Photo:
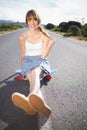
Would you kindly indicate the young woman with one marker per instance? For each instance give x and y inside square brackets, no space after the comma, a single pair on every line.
[35,45]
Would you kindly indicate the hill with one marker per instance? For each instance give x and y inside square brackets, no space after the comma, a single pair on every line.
[12,22]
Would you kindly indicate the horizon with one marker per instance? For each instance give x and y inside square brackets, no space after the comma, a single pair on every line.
[11,21]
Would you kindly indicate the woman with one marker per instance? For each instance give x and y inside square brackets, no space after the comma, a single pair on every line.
[35,46]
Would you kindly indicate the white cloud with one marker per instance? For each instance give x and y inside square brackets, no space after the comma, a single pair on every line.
[54,11]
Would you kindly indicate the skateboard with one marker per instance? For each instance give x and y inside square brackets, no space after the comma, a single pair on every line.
[48,77]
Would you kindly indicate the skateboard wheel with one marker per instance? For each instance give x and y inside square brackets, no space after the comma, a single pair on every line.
[48,77]
[19,77]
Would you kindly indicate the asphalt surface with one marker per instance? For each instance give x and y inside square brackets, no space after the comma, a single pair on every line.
[66,93]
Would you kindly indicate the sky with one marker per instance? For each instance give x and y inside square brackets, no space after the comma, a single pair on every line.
[50,11]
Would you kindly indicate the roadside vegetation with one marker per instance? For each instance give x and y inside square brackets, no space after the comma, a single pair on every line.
[69,29]
[7,27]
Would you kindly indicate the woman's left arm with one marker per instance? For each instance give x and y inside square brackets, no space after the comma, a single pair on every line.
[47,45]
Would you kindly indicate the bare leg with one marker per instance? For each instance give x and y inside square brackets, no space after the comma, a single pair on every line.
[21,100]
[36,98]
[34,79]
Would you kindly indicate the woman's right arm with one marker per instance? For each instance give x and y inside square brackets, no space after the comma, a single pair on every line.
[22,46]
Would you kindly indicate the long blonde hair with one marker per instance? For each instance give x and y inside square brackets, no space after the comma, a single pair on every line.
[42,30]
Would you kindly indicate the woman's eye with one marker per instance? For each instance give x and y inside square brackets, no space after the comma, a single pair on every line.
[29,19]
[35,19]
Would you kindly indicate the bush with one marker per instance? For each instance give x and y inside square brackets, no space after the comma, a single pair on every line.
[74,30]
[84,30]
[56,28]
[9,27]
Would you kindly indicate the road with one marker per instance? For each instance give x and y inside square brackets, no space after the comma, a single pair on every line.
[66,93]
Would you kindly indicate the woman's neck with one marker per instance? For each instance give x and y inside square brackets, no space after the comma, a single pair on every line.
[33,35]
[33,32]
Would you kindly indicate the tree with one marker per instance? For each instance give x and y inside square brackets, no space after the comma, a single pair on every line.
[84,30]
[49,26]
[64,26]
[78,24]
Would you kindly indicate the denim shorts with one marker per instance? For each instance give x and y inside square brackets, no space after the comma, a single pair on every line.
[32,62]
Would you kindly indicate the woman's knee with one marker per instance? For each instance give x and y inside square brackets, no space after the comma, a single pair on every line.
[34,73]
[38,71]
[28,76]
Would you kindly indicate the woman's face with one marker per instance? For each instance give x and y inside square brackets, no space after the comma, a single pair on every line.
[32,23]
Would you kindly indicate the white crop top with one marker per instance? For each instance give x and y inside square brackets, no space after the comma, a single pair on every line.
[33,49]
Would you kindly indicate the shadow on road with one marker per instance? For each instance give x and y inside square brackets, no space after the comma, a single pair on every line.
[11,117]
